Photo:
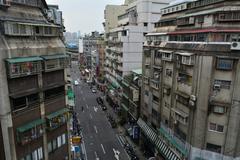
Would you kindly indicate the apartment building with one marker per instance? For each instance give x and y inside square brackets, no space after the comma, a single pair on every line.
[125,42]
[191,81]
[33,112]
[130,103]
[90,46]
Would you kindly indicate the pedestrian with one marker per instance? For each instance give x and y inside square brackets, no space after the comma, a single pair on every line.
[82,108]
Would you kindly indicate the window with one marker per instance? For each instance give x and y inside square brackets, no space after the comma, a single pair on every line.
[54,144]
[50,147]
[63,139]
[155,98]
[224,64]
[37,30]
[146,93]
[145,24]
[124,33]
[59,141]
[169,72]
[219,109]
[15,29]
[224,84]
[216,127]
[213,148]
[35,155]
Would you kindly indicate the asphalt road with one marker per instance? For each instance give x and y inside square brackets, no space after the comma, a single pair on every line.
[100,140]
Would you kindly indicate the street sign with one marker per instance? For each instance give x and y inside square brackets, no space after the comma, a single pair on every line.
[136,132]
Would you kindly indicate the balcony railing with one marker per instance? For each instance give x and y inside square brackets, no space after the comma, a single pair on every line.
[30,131]
[24,66]
[147,61]
[155,84]
[157,62]
[145,80]
[57,119]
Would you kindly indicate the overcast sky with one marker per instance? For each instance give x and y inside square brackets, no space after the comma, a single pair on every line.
[83,15]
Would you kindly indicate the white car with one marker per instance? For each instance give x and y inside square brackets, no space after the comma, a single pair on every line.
[76,83]
[94,90]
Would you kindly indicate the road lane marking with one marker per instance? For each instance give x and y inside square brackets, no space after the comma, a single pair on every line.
[95,129]
[87,106]
[84,98]
[119,140]
[95,108]
[116,153]
[96,155]
[104,152]
[90,115]
[84,148]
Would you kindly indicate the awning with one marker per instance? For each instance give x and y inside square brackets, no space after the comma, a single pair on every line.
[137,71]
[178,111]
[165,51]
[155,34]
[184,53]
[182,94]
[59,112]
[124,107]
[55,56]
[23,59]
[124,83]
[70,94]
[30,125]
[159,144]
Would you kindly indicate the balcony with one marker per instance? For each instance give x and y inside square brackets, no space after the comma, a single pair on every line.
[155,84]
[29,85]
[57,119]
[157,62]
[24,66]
[147,72]
[53,79]
[185,88]
[146,80]
[30,131]
[147,61]
[55,62]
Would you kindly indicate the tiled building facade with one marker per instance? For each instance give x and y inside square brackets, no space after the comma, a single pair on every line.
[191,80]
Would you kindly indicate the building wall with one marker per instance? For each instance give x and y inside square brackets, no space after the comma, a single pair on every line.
[22,46]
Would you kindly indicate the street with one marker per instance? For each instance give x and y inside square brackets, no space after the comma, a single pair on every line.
[100,141]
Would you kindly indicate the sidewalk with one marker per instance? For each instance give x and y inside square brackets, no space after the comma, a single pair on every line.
[122,131]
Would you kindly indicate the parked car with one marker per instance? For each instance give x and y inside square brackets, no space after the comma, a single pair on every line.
[99,100]
[104,108]
[94,90]
[76,83]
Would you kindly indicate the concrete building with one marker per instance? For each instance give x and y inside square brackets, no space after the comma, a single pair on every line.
[33,112]
[89,46]
[191,81]
[125,42]
[130,102]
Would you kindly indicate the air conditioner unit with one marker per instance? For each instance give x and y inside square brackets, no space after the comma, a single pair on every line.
[216,86]
[157,42]
[191,103]
[235,46]
[193,98]
[166,91]
[156,75]
[149,42]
